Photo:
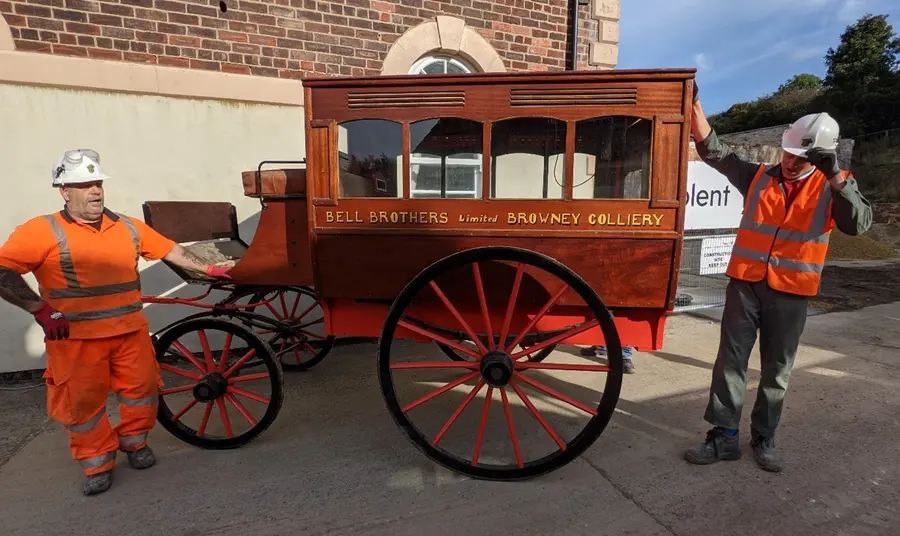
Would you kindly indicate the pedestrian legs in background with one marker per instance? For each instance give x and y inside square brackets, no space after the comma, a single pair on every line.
[599,351]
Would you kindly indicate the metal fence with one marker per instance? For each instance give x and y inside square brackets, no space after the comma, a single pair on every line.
[704,258]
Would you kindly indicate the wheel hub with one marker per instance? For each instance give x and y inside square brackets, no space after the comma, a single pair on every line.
[497,368]
[210,387]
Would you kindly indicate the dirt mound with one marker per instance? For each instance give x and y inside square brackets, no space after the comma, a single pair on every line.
[880,243]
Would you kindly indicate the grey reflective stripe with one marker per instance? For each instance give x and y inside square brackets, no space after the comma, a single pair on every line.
[102,290]
[749,254]
[100,314]
[132,441]
[65,255]
[797,266]
[135,241]
[146,401]
[90,424]
[97,461]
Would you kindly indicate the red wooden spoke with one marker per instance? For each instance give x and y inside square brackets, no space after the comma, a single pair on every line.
[440,391]
[555,339]
[462,321]
[223,412]
[252,396]
[283,304]
[435,364]
[265,331]
[484,415]
[296,353]
[307,324]
[479,287]
[435,337]
[189,356]
[536,318]
[249,377]
[297,303]
[538,416]
[241,409]
[520,270]
[240,363]
[554,393]
[225,348]
[181,372]
[310,334]
[512,429]
[457,413]
[184,410]
[174,390]
[274,312]
[310,348]
[305,312]
[207,353]
[562,366]
[205,420]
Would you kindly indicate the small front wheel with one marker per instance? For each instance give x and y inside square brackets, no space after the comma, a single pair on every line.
[212,365]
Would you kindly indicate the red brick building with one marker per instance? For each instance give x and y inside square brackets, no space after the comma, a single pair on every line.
[291,38]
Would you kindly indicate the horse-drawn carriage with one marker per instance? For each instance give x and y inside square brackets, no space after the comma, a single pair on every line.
[499,218]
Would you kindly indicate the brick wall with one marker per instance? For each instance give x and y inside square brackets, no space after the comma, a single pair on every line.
[290,38]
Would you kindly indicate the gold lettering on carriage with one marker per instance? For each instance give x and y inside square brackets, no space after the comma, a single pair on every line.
[542,218]
[626,220]
[422,217]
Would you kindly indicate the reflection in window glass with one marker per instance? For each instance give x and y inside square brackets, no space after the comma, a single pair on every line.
[445,158]
[528,158]
[612,158]
[370,153]
[441,65]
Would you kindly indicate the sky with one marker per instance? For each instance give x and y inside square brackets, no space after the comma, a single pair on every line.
[741,50]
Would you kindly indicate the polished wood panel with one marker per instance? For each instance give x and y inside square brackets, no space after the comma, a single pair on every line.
[624,272]
[667,134]
[275,183]
[280,251]
[321,169]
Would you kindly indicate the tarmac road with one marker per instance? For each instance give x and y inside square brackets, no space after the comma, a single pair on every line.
[335,464]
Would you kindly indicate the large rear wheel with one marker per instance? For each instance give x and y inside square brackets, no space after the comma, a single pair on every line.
[506,450]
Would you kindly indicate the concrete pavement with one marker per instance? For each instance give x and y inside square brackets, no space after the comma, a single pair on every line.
[334,463]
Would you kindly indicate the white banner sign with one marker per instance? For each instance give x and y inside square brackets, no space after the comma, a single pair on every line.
[715,252]
[712,202]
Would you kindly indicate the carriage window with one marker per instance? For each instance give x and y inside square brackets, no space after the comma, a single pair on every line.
[445,159]
[528,158]
[370,153]
[612,158]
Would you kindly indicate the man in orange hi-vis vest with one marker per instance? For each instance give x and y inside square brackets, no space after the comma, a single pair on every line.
[790,209]
[85,259]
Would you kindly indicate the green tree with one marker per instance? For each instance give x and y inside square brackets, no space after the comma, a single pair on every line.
[801,82]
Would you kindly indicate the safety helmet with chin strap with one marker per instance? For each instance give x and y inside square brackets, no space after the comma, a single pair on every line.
[811,131]
[77,166]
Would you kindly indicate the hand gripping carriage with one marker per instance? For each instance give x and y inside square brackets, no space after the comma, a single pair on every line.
[498,218]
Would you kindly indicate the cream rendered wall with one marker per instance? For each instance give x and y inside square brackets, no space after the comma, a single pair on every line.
[154,148]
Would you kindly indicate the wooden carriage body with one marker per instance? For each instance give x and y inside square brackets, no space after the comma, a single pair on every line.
[588,168]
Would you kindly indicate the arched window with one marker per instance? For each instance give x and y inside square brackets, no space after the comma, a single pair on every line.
[441,65]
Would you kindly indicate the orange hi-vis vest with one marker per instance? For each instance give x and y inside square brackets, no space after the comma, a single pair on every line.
[784,245]
[94,282]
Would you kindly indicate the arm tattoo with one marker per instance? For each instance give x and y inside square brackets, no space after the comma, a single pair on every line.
[16,291]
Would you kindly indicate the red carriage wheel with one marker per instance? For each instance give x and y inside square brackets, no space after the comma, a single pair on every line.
[300,342]
[514,289]
[215,375]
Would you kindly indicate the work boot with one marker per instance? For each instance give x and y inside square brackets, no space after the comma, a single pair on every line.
[764,453]
[141,459]
[94,484]
[718,446]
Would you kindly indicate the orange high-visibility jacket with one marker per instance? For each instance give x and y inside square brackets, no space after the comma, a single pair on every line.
[89,274]
[785,246]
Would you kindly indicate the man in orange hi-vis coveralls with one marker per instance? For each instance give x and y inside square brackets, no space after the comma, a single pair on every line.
[85,259]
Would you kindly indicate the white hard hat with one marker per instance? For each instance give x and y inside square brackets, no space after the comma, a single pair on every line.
[813,130]
[78,166]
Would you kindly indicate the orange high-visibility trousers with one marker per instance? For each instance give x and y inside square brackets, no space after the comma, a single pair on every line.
[81,372]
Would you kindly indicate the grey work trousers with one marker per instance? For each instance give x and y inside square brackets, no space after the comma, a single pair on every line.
[780,319]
